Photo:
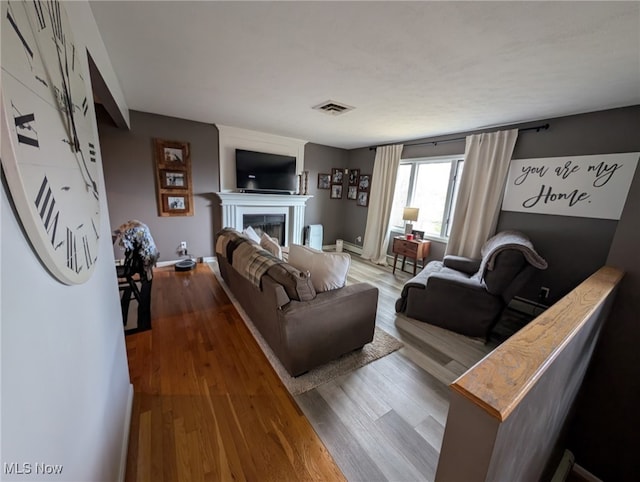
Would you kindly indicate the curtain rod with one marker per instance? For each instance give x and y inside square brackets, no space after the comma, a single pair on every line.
[539,128]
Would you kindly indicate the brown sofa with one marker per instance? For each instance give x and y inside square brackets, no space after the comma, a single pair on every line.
[304,329]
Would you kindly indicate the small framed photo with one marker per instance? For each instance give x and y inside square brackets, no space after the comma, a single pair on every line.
[352,193]
[337,175]
[353,177]
[418,234]
[173,179]
[363,199]
[336,191]
[175,204]
[324,181]
[172,154]
[364,181]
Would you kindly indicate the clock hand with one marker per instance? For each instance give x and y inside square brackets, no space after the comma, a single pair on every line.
[73,137]
[65,96]
[65,75]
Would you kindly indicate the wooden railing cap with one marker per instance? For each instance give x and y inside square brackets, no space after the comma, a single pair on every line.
[501,380]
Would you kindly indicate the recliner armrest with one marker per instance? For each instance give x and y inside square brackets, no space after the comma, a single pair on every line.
[447,282]
[461,263]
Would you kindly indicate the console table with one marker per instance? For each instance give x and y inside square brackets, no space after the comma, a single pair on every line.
[414,249]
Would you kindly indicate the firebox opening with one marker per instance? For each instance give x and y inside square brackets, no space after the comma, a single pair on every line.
[271,224]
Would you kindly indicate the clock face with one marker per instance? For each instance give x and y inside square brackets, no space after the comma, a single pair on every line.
[49,154]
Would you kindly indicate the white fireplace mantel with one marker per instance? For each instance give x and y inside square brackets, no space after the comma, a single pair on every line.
[235,205]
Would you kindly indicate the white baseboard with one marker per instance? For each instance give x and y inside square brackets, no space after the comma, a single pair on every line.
[346,246]
[125,435]
[353,248]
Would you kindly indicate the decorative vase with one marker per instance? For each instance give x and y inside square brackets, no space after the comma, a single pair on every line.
[306,182]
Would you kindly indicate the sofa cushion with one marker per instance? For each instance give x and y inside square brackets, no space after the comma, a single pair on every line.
[328,270]
[250,233]
[271,245]
[296,283]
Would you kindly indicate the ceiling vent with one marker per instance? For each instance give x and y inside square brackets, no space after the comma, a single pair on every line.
[333,108]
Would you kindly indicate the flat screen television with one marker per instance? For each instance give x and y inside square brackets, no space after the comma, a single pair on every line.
[262,172]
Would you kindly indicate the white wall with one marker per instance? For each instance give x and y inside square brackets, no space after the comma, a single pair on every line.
[65,390]
[232,138]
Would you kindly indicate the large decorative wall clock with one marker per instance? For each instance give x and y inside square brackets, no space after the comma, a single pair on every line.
[49,155]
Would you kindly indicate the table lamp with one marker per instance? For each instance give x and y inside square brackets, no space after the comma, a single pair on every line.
[409,215]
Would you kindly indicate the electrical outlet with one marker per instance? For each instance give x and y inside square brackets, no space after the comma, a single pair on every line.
[544,293]
[359,239]
[183,245]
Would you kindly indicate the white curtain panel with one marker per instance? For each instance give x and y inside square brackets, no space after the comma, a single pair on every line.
[486,164]
[383,184]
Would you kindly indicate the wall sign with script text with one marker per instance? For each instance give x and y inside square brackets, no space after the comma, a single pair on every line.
[585,186]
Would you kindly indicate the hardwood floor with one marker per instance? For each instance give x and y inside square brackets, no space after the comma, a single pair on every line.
[208,406]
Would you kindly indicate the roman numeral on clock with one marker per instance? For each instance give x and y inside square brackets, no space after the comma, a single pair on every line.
[46,205]
[87,251]
[40,14]
[56,19]
[92,152]
[95,231]
[13,23]
[72,252]
[25,128]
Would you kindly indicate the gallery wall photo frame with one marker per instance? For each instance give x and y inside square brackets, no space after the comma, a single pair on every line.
[173,177]
[354,174]
[352,192]
[324,181]
[336,191]
[176,203]
[363,199]
[170,179]
[337,175]
[172,154]
[364,182]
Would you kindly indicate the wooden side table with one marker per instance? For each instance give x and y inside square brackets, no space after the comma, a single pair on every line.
[414,249]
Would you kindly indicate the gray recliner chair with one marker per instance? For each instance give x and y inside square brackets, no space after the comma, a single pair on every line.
[468,295]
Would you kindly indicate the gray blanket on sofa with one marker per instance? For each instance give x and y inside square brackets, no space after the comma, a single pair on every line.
[509,240]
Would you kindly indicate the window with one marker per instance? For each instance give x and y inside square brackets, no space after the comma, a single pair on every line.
[431,185]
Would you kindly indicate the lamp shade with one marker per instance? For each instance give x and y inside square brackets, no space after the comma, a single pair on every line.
[410,214]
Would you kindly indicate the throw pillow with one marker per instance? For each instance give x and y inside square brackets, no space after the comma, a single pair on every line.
[328,270]
[250,233]
[271,245]
[296,283]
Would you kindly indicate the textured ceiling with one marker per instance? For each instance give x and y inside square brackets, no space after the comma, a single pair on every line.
[410,69]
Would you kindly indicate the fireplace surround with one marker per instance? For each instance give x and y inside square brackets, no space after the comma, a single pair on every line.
[235,206]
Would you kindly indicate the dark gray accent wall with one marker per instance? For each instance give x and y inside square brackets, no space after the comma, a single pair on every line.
[130,180]
[321,209]
[574,247]
[357,215]
[603,436]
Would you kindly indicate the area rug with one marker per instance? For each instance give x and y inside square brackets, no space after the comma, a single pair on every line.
[383,344]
